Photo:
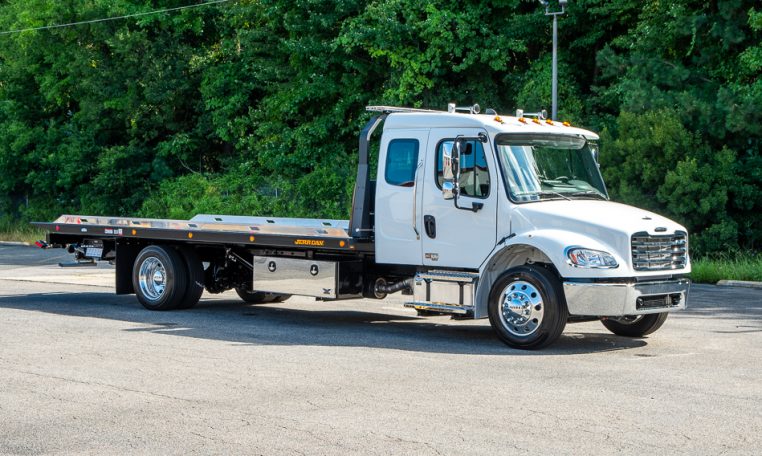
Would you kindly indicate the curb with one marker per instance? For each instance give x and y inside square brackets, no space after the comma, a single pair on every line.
[15,243]
[740,283]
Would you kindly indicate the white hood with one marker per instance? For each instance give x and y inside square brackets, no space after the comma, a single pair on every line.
[592,217]
[598,225]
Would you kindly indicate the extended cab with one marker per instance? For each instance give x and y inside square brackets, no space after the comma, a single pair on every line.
[474,215]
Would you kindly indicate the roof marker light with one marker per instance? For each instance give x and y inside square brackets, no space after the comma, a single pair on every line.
[549,122]
[536,120]
[567,124]
[522,120]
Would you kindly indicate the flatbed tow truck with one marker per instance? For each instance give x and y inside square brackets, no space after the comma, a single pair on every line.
[473,215]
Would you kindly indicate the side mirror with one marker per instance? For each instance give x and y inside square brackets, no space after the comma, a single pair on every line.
[451,168]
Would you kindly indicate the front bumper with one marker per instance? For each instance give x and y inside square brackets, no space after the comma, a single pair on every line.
[617,299]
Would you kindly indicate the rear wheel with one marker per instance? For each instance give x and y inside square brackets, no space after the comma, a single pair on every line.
[260,297]
[195,270]
[159,277]
[635,325]
[527,307]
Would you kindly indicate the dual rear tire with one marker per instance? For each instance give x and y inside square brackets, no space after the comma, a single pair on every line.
[166,278]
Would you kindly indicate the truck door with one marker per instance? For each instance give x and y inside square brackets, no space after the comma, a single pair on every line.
[459,237]
[399,192]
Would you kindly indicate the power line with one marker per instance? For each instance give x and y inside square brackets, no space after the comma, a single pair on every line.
[116,18]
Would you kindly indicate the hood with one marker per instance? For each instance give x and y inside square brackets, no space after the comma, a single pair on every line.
[591,217]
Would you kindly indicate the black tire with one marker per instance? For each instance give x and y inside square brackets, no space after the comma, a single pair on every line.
[260,297]
[195,270]
[164,277]
[635,325]
[537,314]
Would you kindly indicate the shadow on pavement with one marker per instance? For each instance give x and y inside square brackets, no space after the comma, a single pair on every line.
[240,323]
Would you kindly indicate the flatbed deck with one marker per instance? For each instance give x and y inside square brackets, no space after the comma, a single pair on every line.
[212,229]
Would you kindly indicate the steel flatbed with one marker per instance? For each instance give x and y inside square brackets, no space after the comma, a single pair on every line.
[263,232]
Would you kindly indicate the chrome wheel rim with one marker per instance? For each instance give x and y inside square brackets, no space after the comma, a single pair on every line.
[153,278]
[521,308]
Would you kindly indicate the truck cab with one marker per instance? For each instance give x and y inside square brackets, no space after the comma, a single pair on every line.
[472,215]
[509,218]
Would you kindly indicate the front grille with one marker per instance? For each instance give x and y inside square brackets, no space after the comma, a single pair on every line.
[659,252]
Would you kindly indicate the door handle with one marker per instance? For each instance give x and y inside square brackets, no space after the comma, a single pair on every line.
[430,224]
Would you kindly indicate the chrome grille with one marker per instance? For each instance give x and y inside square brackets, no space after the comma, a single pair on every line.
[659,252]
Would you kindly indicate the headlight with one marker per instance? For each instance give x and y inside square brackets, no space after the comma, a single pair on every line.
[587,258]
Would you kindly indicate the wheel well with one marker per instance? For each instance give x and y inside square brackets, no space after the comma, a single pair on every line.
[509,257]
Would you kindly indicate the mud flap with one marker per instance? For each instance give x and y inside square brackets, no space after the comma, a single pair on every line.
[125,258]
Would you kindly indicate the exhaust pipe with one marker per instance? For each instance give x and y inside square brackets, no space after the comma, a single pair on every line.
[383,288]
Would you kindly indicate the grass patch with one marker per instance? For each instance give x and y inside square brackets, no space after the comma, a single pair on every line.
[20,232]
[742,266]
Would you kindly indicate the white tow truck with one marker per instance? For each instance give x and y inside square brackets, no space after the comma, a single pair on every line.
[473,215]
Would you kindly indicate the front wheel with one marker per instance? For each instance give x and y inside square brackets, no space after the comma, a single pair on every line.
[635,325]
[527,307]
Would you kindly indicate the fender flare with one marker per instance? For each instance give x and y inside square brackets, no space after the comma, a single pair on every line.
[543,246]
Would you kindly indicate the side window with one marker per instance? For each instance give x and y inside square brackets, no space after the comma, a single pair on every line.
[474,175]
[401,162]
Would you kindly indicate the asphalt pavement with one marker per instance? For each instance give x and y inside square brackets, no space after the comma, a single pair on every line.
[83,371]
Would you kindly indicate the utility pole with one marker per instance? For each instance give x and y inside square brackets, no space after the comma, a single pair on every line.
[554,83]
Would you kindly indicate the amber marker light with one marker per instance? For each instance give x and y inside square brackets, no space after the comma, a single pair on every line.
[549,122]
[537,121]
[251,238]
[498,119]
[567,124]
[134,232]
[342,243]
[190,235]
[522,120]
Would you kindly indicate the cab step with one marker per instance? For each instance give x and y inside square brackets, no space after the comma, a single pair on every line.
[450,292]
[437,307]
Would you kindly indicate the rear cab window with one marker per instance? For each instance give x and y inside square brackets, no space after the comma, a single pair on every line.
[401,162]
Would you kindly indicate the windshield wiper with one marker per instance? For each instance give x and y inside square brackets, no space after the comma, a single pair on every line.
[544,193]
[590,193]
[551,193]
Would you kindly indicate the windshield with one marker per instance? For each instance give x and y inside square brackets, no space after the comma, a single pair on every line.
[539,167]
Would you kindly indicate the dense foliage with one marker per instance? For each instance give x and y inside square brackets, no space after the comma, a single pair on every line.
[253,106]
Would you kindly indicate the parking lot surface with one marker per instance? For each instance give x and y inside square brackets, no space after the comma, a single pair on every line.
[83,371]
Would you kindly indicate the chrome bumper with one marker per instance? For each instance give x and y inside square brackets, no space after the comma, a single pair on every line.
[617,299]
